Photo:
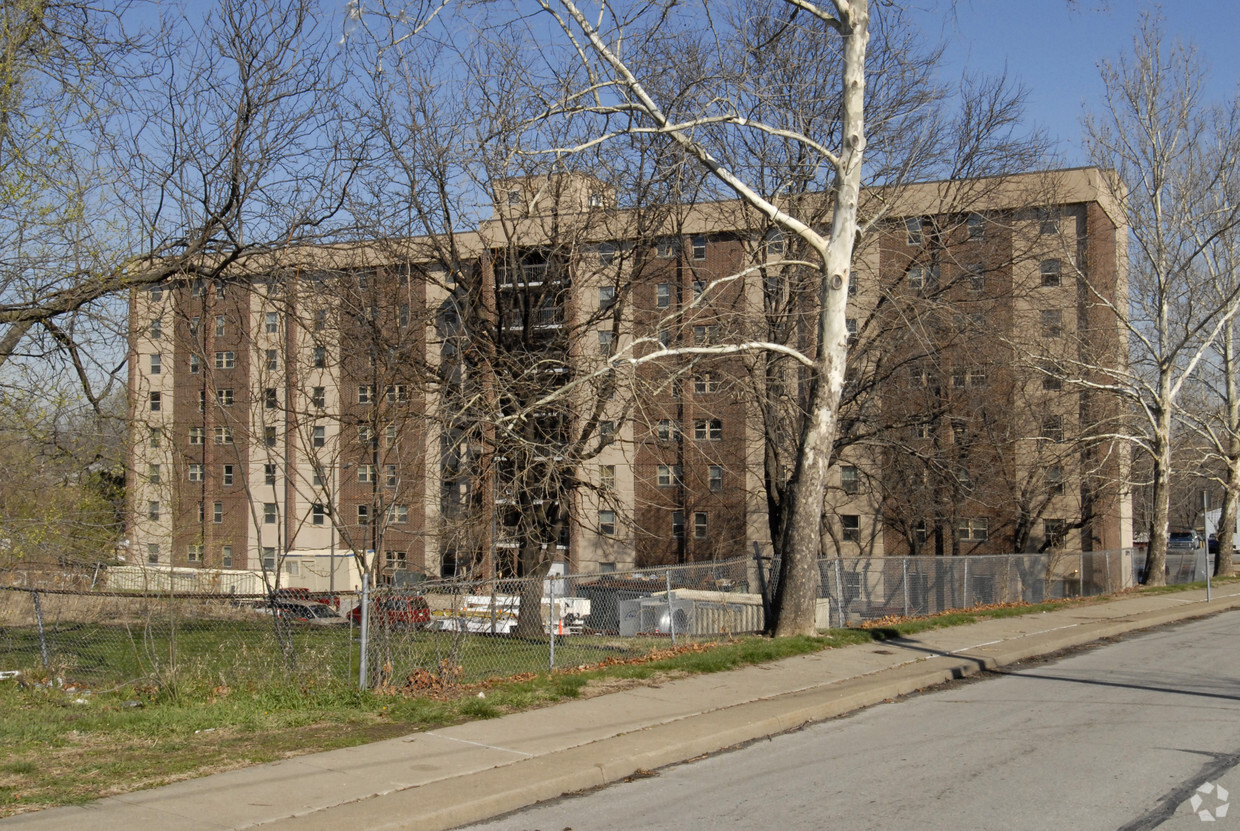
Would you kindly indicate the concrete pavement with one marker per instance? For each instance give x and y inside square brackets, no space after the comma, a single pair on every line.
[443,778]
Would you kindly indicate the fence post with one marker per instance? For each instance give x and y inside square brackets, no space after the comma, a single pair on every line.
[904,566]
[362,681]
[766,600]
[967,604]
[38,619]
[671,613]
[551,619]
[839,591]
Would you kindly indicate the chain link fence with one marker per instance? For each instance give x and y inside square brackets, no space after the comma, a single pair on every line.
[865,589]
[189,631]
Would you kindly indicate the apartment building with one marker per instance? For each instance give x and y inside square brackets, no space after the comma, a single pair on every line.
[563,385]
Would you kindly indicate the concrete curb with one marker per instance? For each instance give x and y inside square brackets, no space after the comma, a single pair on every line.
[450,803]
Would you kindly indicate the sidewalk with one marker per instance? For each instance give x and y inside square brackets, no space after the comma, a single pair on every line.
[449,777]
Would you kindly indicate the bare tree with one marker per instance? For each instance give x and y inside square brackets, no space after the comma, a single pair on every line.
[1174,156]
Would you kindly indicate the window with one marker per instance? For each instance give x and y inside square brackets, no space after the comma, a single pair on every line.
[1051,271]
[156,363]
[195,435]
[397,392]
[977,377]
[667,430]
[1054,480]
[1052,377]
[850,527]
[711,428]
[155,401]
[1052,428]
[699,247]
[152,510]
[318,514]
[320,357]
[217,512]
[157,437]
[269,436]
[607,431]
[152,552]
[270,401]
[1048,220]
[663,295]
[365,394]
[395,560]
[223,435]
[316,480]
[157,329]
[157,293]
[514,197]
[269,558]
[226,558]
[605,340]
[715,477]
[670,475]
[229,474]
[193,553]
[850,480]
[194,323]
[320,320]
[202,517]
[219,290]
[221,325]
[699,288]
[202,401]
[912,230]
[363,514]
[402,315]
[152,474]
[704,382]
[775,242]
[977,226]
[273,360]
[366,435]
[391,478]
[678,524]
[607,477]
[1055,531]
[607,523]
[398,514]
[269,474]
[390,435]
[703,335]
[606,297]
[923,278]
[665,338]
[318,437]
[269,513]
[974,529]
[195,364]
[1052,323]
[666,248]
[700,526]
[225,397]
[225,360]
[850,326]
[366,474]
[271,323]
[976,274]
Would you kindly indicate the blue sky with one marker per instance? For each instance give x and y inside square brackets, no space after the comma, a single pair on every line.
[1054,46]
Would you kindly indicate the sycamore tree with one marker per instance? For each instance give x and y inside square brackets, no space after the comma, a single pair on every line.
[1175,155]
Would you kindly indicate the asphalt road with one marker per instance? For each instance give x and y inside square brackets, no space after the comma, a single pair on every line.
[1119,736]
